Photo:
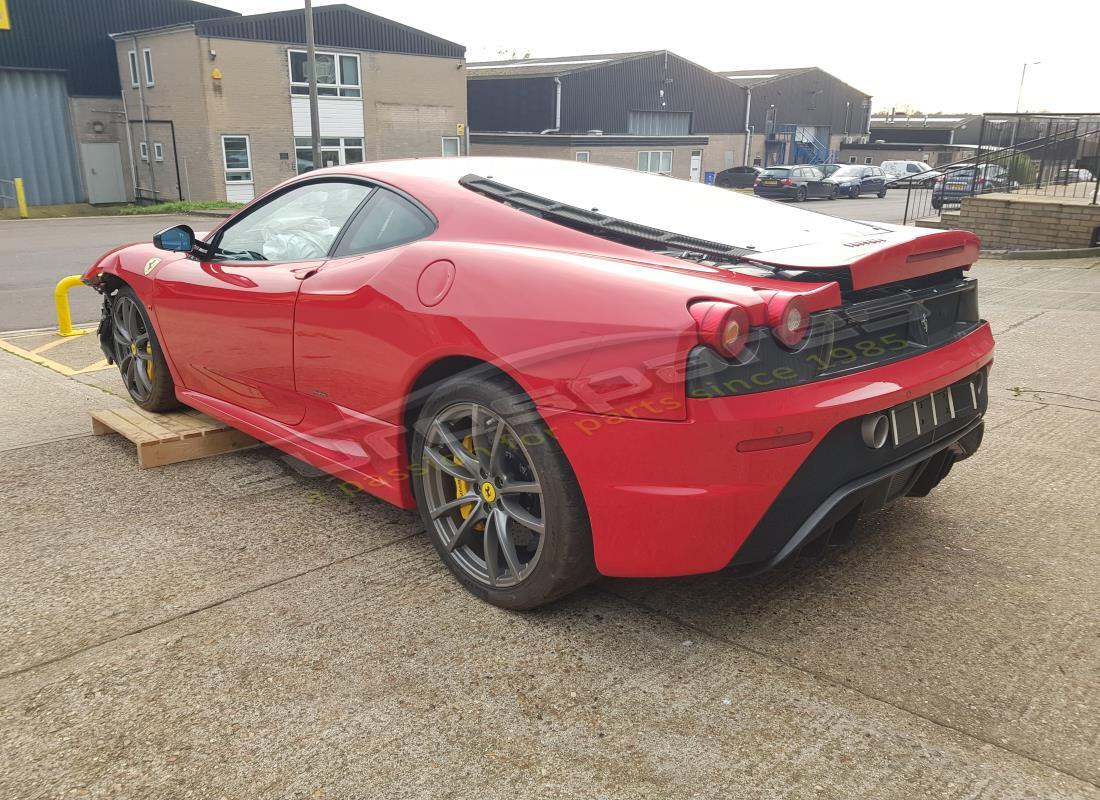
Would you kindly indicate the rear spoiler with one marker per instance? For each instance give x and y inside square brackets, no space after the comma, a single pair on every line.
[887,257]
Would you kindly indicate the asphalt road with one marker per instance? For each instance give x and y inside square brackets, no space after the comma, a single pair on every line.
[239,627]
[871,209]
[36,253]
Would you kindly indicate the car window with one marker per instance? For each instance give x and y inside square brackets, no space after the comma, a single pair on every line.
[912,168]
[775,173]
[387,220]
[296,225]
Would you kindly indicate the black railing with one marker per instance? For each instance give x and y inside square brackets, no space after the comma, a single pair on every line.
[1049,155]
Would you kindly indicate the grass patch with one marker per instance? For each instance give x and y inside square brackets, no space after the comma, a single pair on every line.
[86,210]
[177,207]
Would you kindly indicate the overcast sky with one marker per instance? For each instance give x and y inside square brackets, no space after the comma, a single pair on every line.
[901,53]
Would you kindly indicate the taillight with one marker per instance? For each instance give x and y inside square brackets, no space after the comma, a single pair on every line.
[723,327]
[939,180]
[788,318]
[756,182]
[786,182]
[979,181]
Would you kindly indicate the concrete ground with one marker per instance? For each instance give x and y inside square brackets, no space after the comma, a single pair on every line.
[232,627]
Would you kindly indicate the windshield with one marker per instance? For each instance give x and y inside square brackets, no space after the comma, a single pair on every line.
[678,206]
[775,173]
[832,169]
[848,172]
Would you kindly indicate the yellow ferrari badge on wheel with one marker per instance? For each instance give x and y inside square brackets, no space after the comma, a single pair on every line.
[151,265]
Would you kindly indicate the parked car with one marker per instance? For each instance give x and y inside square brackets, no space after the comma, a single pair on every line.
[852,180]
[956,184]
[439,333]
[1067,176]
[903,173]
[794,182]
[737,177]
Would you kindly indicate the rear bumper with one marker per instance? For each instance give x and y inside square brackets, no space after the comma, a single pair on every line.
[680,498]
[782,191]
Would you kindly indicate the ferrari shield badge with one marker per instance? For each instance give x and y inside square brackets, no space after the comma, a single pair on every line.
[151,264]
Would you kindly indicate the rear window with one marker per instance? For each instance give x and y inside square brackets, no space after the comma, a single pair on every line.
[775,173]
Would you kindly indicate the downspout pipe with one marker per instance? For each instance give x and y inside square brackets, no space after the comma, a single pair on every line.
[748,128]
[557,107]
[141,78]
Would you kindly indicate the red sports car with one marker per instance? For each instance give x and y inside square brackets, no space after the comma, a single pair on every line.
[570,370]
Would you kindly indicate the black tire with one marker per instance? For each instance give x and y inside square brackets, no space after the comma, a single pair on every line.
[853,193]
[882,193]
[833,194]
[936,203]
[800,194]
[153,389]
[564,561]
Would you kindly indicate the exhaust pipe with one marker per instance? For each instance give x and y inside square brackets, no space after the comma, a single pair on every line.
[875,429]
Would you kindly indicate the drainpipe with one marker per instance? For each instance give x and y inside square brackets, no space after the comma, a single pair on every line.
[145,121]
[748,128]
[129,145]
[557,107]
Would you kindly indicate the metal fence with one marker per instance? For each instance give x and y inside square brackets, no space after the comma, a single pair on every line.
[1050,155]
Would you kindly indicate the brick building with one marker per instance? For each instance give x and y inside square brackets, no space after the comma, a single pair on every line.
[219,109]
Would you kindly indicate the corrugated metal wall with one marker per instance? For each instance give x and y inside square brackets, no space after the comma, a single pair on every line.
[521,105]
[72,35]
[36,138]
[601,98]
[814,98]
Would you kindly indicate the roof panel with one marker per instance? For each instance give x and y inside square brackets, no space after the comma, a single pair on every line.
[545,67]
[335,26]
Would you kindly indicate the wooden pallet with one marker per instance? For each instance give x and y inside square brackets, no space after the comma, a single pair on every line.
[170,438]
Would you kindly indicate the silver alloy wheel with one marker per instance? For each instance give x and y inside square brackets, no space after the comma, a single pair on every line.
[483,495]
[133,347]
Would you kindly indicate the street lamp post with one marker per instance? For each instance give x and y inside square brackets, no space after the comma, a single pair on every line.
[1023,74]
[311,61]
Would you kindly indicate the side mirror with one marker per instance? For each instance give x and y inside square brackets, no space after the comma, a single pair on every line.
[178,239]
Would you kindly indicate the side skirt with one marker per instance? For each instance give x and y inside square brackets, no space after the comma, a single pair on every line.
[359,449]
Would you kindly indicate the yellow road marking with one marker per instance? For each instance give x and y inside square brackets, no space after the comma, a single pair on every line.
[37,359]
[49,345]
[32,356]
[96,367]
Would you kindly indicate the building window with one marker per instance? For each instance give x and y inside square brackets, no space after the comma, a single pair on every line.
[148,58]
[133,69]
[144,151]
[450,146]
[158,151]
[851,159]
[582,155]
[867,160]
[334,151]
[237,159]
[659,161]
[337,74]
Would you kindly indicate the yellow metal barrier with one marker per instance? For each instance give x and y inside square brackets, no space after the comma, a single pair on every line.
[20,198]
[61,300]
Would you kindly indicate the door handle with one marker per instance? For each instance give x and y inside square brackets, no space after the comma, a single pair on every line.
[301,273]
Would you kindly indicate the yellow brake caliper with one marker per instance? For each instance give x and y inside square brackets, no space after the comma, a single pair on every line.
[462,487]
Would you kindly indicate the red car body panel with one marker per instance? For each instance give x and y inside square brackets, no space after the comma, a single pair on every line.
[678,498]
[319,358]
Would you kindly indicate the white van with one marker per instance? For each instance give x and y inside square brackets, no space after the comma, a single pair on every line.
[904,171]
